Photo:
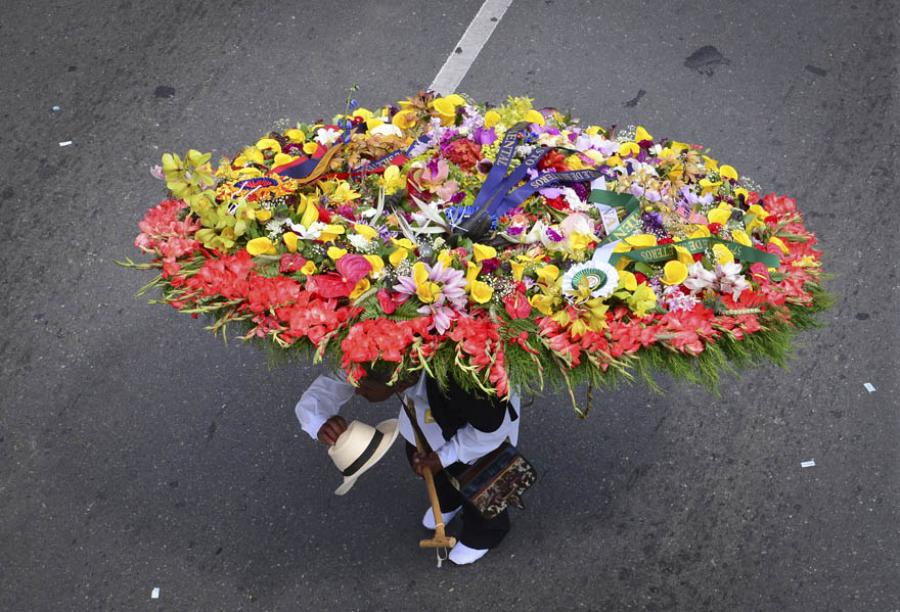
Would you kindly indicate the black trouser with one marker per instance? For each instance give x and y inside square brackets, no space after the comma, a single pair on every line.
[478,532]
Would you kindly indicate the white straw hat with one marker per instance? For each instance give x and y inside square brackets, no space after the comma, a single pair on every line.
[360,447]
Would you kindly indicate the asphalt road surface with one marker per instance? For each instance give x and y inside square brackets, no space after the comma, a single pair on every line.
[137,452]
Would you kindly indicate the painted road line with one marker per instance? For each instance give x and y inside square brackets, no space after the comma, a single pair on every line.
[469,46]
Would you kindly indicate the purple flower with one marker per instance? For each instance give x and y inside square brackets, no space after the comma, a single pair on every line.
[554,235]
[484,136]
[489,265]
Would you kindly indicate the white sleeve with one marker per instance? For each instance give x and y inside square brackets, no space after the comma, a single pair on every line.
[321,401]
[470,444]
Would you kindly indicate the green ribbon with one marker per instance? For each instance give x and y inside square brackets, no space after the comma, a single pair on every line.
[632,224]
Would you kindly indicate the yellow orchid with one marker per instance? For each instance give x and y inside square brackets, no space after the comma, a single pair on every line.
[261,246]
[480,291]
[309,267]
[290,241]
[491,118]
[547,274]
[262,215]
[310,147]
[373,123]
[397,256]
[472,270]
[310,215]
[483,251]
[579,241]
[543,303]
[674,273]
[282,159]
[614,160]
[335,253]
[342,193]
[405,119]
[642,300]
[700,231]
[722,254]
[740,191]
[252,155]
[710,164]
[708,186]
[393,180]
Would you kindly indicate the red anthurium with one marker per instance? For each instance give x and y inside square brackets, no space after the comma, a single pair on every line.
[353,268]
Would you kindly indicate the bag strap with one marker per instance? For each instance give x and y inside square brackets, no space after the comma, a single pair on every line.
[421,441]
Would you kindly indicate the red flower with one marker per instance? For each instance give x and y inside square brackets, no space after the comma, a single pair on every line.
[291,262]
[464,153]
[714,228]
[517,305]
[554,160]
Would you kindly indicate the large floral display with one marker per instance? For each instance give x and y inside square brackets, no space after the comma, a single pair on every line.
[503,246]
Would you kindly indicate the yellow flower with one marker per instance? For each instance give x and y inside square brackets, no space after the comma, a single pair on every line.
[330,232]
[547,274]
[627,280]
[740,191]
[642,134]
[641,240]
[405,243]
[397,256]
[246,173]
[719,215]
[377,264]
[674,272]
[282,159]
[614,160]
[295,135]
[683,255]
[741,237]
[483,251]
[481,292]
[365,231]
[263,215]
[310,147]
[594,130]
[365,113]
[472,270]
[456,99]
[574,162]
[709,163]
[722,254]
[578,328]
[543,303]
[629,148]
[310,215]
[534,116]
[579,241]
[261,246]
[361,287]
[253,155]
[309,267]
[779,243]
[290,241]
[642,300]
[392,180]
[343,193]
[445,258]
[428,292]
[373,123]
[728,172]
[562,317]
[491,118]
[709,186]
[700,231]
[268,143]
[335,253]
[404,119]
[517,269]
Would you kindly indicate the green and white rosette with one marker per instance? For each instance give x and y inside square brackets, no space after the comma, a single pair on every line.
[600,277]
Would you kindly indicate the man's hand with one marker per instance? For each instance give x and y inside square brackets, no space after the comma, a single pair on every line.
[331,430]
[426,461]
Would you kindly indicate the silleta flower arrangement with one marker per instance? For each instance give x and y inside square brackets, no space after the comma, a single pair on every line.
[498,245]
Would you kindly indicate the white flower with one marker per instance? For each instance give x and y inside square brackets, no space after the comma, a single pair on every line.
[360,243]
[574,201]
[699,278]
[602,278]
[310,233]
[386,129]
[327,136]
[731,280]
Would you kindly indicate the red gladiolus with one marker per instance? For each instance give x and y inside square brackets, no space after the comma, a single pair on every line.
[517,305]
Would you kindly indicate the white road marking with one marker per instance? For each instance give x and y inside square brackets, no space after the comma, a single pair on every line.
[469,46]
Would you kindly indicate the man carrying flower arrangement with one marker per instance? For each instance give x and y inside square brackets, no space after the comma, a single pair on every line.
[461,427]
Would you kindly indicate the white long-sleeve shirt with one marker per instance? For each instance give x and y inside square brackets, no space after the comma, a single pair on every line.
[327,393]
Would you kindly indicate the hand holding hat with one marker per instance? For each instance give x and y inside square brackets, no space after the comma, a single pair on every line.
[359,447]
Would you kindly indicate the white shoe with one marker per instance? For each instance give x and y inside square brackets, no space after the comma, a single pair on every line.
[463,555]
[428,519]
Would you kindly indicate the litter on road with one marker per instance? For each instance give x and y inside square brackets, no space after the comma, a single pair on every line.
[154,594]
[56,109]
[806,464]
[65,143]
[869,387]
